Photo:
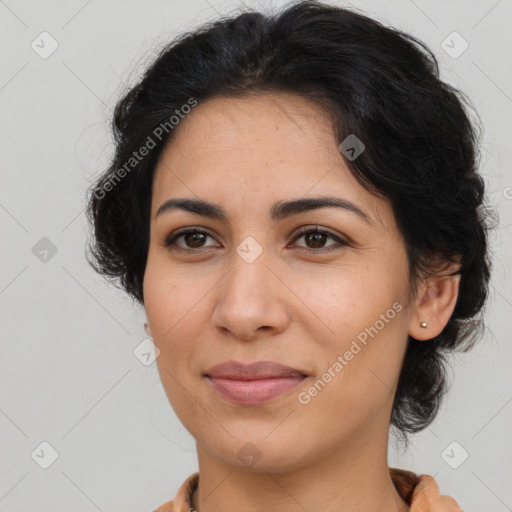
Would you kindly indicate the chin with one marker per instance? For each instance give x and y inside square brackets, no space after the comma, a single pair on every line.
[259,454]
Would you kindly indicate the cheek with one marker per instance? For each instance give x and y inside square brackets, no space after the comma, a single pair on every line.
[348,299]
[172,300]
[357,384]
[169,306]
[363,322]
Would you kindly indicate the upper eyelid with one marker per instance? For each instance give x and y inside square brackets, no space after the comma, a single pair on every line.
[316,228]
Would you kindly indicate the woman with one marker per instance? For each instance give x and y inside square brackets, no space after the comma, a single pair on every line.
[294,201]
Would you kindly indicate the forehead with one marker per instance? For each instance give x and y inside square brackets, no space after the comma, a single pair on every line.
[258,116]
[263,148]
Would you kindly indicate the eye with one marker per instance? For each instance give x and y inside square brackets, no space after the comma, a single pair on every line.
[194,239]
[316,237]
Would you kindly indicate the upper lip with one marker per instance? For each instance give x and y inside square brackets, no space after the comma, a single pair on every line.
[252,371]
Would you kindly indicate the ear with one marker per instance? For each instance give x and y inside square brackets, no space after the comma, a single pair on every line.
[435,302]
[147,329]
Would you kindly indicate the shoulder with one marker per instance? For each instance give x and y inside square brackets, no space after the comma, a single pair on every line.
[427,498]
[182,501]
[421,492]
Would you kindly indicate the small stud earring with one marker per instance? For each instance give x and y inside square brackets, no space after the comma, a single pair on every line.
[147,329]
[424,325]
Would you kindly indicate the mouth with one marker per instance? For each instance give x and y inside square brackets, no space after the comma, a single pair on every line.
[253,384]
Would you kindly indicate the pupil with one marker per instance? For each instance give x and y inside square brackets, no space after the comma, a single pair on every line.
[196,237]
[317,238]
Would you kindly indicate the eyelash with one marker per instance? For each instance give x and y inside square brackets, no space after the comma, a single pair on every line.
[171,240]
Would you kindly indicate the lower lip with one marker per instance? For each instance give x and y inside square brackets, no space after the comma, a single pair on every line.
[254,392]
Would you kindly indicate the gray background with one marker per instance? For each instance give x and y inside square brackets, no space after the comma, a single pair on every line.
[68,373]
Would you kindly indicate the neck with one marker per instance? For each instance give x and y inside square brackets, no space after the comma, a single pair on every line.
[347,479]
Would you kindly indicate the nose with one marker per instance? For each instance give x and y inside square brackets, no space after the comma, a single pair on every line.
[251,299]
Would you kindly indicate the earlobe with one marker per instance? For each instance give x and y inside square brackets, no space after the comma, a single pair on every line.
[147,329]
[435,304]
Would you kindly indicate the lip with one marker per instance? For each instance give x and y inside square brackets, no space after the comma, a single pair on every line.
[253,371]
[255,383]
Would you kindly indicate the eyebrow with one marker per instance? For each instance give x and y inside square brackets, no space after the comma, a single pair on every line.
[279,210]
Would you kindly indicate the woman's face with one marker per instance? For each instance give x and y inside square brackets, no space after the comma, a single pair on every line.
[253,287]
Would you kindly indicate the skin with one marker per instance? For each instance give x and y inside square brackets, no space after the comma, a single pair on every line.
[297,308]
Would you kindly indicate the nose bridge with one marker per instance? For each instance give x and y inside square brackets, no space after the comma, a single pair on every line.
[249,297]
[249,277]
